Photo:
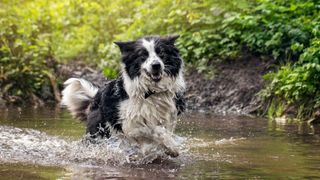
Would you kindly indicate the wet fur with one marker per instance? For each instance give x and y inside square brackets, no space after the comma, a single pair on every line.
[143,110]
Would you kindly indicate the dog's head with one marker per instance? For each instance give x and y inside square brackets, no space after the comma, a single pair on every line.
[152,63]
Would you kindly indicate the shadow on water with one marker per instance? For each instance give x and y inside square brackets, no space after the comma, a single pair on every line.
[47,144]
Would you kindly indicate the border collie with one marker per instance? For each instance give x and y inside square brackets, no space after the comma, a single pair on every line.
[142,103]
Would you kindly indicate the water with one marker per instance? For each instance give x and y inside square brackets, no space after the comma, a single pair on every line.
[47,144]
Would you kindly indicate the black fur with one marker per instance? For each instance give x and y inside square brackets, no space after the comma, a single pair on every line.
[180,103]
[105,109]
[170,57]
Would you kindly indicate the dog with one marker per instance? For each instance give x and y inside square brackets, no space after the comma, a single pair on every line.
[143,103]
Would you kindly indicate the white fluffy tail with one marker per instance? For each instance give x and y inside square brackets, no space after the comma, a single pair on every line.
[77,96]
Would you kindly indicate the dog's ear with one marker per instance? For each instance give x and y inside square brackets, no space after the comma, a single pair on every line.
[170,39]
[125,46]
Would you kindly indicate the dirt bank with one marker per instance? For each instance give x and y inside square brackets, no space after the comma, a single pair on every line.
[233,88]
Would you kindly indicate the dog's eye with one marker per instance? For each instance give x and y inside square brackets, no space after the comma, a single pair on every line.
[158,50]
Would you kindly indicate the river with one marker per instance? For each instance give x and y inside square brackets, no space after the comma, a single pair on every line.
[46,143]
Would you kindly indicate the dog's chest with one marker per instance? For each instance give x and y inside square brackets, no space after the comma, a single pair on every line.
[156,110]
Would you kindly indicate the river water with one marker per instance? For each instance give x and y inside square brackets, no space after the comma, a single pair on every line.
[47,143]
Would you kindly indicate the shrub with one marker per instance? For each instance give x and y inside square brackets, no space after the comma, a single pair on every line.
[293,30]
[297,86]
[288,31]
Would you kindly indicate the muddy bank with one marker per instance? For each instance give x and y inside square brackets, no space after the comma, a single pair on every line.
[233,88]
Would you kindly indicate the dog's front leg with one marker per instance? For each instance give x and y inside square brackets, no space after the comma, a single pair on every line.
[149,138]
[158,137]
[165,138]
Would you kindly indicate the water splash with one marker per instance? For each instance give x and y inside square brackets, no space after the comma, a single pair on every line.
[28,145]
[32,146]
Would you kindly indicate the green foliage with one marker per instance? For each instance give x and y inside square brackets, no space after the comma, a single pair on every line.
[296,85]
[198,23]
[23,70]
[276,27]
[36,34]
[289,31]
[276,109]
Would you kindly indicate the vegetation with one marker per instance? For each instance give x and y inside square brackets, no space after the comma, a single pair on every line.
[36,35]
[289,31]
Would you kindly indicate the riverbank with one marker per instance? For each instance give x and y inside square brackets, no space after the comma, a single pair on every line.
[233,89]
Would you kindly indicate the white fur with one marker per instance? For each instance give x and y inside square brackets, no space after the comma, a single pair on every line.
[77,91]
[153,57]
[151,120]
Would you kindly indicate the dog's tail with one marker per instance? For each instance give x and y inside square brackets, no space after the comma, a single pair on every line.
[77,96]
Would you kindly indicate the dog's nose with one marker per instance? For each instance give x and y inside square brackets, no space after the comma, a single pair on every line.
[156,66]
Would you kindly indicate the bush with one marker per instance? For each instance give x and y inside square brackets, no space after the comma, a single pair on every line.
[289,31]
[297,86]
[36,35]
[22,55]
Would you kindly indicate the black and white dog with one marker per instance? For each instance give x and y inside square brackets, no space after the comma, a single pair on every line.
[142,103]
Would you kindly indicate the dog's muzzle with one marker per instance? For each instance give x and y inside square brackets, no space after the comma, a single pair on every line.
[156,71]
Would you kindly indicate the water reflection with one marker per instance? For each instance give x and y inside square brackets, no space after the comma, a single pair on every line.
[293,126]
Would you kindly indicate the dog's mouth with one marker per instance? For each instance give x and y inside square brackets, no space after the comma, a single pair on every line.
[155,76]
